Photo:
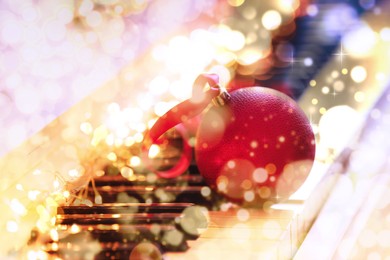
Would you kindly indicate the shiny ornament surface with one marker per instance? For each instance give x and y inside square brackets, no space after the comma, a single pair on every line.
[259,145]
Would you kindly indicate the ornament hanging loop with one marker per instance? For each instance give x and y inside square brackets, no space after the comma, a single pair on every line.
[205,91]
[222,99]
[201,98]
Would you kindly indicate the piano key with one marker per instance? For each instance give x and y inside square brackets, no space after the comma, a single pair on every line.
[142,180]
[110,250]
[263,235]
[191,221]
[114,232]
[114,239]
[202,195]
[132,218]
[118,208]
[125,251]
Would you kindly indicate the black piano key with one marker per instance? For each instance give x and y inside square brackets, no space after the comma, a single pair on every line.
[119,180]
[136,218]
[153,194]
[127,221]
[119,208]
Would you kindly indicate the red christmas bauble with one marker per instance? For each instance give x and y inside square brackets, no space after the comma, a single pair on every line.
[258,145]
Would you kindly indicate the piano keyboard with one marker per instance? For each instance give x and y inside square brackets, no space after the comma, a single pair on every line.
[183,189]
[119,227]
[166,213]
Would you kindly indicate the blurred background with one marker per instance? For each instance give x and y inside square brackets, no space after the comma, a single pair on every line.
[55,54]
[120,64]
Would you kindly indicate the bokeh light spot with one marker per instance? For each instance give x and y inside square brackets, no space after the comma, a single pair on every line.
[236,3]
[271,19]
[260,175]
[358,74]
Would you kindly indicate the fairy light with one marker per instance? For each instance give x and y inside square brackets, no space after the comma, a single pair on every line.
[74,173]
[37,254]
[110,139]
[33,194]
[333,129]
[335,74]
[37,172]
[356,48]
[288,6]
[325,90]
[66,194]
[265,192]
[54,235]
[127,172]
[358,74]
[225,58]
[236,41]
[135,161]
[271,19]
[249,195]
[99,134]
[18,207]
[260,175]
[75,229]
[243,215]
[19,187]
[338,85]
[205,191]
[249,13]
[56,184]
[322,110]
[112,156]
[250,56]
[138,137]
[43,222]
[129,141]
[86,128]
[359,96]
[236,3]
[154,150]
[119,142]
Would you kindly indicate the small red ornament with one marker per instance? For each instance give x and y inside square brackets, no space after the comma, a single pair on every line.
[256,143]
